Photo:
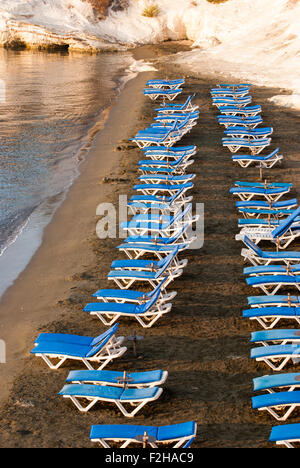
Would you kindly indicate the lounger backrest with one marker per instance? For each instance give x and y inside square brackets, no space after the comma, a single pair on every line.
[188,100]
[168,259]
[147,305]
[173,239]
[101,337]
[248,242]
[181,214]
[95,349]
[286,224]
[176,195]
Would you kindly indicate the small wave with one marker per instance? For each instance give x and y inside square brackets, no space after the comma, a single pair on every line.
[12,226]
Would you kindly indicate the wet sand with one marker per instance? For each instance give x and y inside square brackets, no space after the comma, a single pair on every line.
[203,342]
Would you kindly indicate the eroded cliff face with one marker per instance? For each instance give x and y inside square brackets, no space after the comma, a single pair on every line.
[22,35]
[57,24]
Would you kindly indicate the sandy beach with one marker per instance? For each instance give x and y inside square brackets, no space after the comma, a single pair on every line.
[203,342]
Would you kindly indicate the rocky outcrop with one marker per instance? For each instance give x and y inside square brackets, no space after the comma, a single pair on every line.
[21,35]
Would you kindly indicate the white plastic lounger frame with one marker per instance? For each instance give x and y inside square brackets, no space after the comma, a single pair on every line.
[171,438]
[103,357]
[255,146]
[267,161]
[279,356]
[145,319]
[138,404]
[268,322]
[280,405]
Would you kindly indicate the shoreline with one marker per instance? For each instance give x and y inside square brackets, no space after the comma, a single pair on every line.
[203,342]
[59,243]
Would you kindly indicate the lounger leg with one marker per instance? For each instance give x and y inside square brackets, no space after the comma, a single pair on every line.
[148,325]
[278,417]
[274,367]
[50,364]
[105,322]
[79,406]
[133,413]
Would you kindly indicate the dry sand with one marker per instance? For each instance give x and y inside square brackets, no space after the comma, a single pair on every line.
[203,342]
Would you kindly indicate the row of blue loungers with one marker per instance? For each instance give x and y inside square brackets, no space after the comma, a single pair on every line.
[266,215]
[161,228]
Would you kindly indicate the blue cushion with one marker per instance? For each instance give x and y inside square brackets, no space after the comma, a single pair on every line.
[276,380]
[176,431]
[112,376]
[64,349]
[121,431]
[285,432]
[98,391]
[274,335]
[274,399]
[274,350]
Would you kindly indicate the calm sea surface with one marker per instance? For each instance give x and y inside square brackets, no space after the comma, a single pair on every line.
[49,106]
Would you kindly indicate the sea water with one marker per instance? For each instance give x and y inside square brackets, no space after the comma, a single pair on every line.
[50,105]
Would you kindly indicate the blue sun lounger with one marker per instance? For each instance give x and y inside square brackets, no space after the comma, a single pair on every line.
[265,185]
[280,404]
[253,215]
[271,195]
[231,101]
[279,206]
[184,123]
[276,300]
[268,317]
[262,270]
[146,314]
[176,167]
[281,336]
[270,222]
[165,83]
[234,85]
[220,92]
[124,278]
[267,161]
[174,436]
[232,120]
[287,435]
[254,145]
[257,256]
[116,378]
[286,232]
[270,284]
[150,245]
[249,111]
[55,353]
[187,106]
[136,397]
[79,339]
[154,93]
[161,152]
[242,132]
[276,356]
[170,179]
[160,189]
[137,297]
[167,119]
[166,138]
[277,382]
[167,203]
[159,224]
[156,129]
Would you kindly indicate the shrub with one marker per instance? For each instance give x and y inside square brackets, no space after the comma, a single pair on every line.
[151,10]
